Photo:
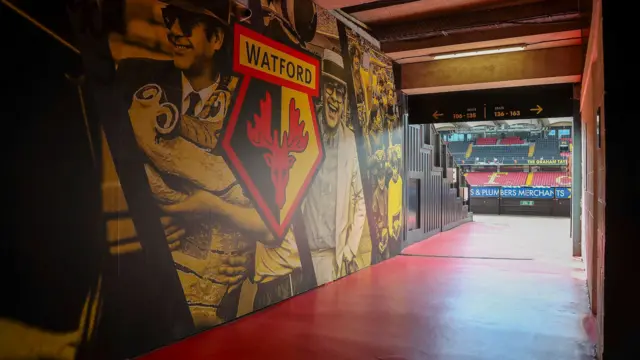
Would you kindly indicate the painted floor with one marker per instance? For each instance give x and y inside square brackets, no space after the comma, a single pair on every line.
[499,288]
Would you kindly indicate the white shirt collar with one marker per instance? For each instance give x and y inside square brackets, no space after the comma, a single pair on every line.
[205,93]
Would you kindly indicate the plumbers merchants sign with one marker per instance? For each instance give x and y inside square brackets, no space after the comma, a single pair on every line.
[527,193]
[492,192]
[563,193]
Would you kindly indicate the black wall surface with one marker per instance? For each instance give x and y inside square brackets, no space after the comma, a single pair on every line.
[510,206]
[484,205]
[440,204]
[54,242]
[514,207]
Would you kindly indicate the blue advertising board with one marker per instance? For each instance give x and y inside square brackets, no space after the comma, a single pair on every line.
[526,193]
[563,193]
[491,191]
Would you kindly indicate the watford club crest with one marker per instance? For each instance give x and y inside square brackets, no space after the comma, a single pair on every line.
[272,140]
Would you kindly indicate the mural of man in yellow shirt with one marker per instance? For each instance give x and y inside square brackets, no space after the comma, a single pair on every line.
[395,200]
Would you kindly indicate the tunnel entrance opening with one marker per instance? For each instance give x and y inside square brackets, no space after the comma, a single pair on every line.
[510,155]
[514,167]
[516,179]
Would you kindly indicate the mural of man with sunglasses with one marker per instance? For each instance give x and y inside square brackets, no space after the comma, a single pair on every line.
[177,110]
[334,209]
[197,34]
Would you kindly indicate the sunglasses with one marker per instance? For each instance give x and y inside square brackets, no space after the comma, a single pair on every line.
[331,87]
[188,20]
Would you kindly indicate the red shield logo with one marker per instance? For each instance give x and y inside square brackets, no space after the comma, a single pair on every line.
[272,140]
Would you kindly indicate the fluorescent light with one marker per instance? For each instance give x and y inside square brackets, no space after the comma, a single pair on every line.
[479,52]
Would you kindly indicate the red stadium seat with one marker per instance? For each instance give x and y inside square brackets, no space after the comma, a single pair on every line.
[554,178]
[486,141]
[497,178]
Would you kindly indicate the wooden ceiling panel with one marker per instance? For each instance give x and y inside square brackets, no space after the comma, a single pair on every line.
[426,8]
[336,4]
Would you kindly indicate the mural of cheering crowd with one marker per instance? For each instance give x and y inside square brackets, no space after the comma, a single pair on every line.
[251,153]
[379,124]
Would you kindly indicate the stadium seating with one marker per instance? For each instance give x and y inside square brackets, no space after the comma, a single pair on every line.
[547,149]
[533,137]
[458,147]
[500,152]
[478,178]
[511,140]
[554,178]
[497,178]
[486,141]
[459,150]
[513,149]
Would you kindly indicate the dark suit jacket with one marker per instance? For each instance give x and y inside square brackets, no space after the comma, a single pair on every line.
[135,73]
[129,304]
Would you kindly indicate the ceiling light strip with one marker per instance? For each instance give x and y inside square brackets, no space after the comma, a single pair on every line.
[479,52]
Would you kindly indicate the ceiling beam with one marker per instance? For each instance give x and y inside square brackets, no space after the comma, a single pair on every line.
[396,48]
[337,4]
[374,5]
[507,16]
[533,67]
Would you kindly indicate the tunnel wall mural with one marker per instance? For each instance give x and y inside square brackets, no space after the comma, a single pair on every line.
[250,151]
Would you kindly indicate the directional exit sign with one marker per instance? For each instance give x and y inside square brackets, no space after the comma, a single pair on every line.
[530,102]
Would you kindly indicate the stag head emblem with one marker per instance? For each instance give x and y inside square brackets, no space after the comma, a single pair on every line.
[278,156]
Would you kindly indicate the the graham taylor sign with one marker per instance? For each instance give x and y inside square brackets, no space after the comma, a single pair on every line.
[547,162]
[273,140]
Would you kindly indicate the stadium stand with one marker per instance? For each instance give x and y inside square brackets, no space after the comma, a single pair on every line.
[509,147]
[500,152]
[547,149]
[496,178]
[459,158]
[486,141]
[530,154]
[533,137]
[555,178]
[458,147]
[512,140]
[459,150]
[551,179]
[478,178]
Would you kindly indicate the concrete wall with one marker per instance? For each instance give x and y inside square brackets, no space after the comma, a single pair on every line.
[594,175]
